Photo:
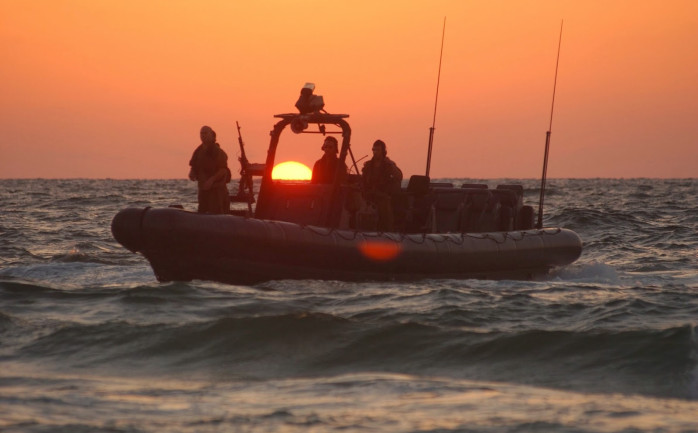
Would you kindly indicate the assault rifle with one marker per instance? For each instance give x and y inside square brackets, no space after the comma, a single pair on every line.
[247,170]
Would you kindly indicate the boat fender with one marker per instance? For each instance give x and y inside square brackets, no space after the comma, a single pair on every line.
[127,228]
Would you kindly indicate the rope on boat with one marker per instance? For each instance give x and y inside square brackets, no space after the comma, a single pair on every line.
[421,238]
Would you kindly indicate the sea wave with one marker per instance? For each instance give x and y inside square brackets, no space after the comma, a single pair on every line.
[89,336]
[597,357]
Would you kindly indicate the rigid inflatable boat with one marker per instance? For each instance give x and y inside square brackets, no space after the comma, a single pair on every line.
[303,230]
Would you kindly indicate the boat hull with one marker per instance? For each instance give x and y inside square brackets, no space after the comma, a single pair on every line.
[183,246]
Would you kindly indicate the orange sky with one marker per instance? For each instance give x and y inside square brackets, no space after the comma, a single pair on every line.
[119,89]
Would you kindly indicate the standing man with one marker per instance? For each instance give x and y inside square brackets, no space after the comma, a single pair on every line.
[325,168]
[209,167]
[381,180]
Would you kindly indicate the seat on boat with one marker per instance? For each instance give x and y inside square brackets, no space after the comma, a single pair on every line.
[525,218]
[448,208]
[510,200]
[418,184]
[480,212]
[417,205]
[490,217]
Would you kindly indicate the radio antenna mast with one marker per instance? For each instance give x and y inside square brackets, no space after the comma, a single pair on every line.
[438,81]
[547,137]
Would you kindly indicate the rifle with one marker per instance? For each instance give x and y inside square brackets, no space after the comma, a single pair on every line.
[245,176]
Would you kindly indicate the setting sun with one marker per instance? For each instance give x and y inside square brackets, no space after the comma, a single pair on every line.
[291,170]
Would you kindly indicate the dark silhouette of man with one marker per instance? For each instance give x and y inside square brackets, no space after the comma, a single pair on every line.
[209,167]
[326,167]
[381,180]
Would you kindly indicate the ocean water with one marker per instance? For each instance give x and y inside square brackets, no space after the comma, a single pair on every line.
[91,342]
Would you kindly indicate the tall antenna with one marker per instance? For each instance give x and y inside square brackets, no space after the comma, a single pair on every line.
[438,81]
[547,138]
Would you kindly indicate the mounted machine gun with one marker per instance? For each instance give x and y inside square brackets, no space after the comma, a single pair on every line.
[247,170]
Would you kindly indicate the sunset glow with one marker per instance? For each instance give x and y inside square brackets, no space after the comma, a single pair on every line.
[291,170]
[102,89]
